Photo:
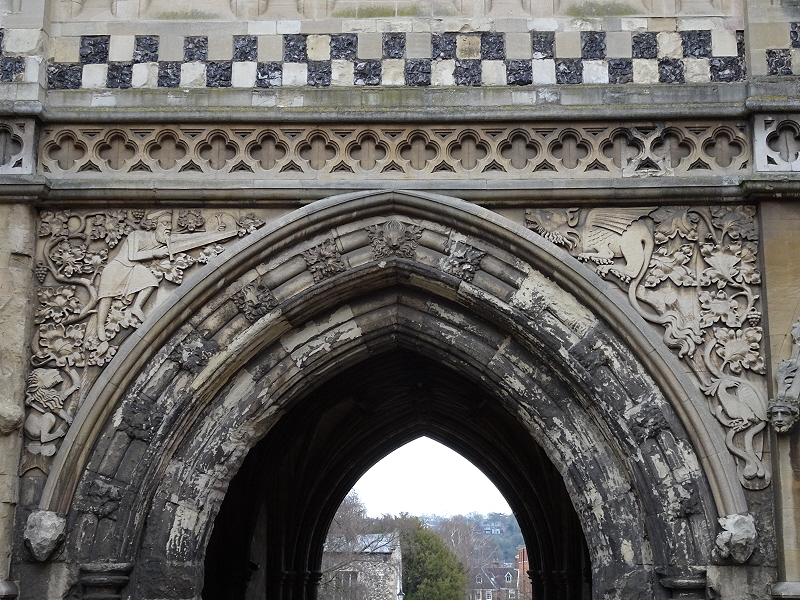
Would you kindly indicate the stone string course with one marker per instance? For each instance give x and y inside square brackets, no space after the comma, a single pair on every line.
[416,59]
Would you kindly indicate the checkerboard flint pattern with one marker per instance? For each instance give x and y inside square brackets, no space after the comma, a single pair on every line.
[400,59]
[779,60]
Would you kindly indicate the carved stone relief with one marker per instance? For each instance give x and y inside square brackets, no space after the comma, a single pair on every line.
[692,272]
[394,238]
[539,151]
[784,409]
[100,274]
[777,143]
[324,261]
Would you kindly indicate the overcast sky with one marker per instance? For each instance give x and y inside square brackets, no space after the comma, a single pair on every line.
[435,479]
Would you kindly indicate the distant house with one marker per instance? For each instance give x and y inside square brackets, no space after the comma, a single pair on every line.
[493,527]
[493,583]
[370,567]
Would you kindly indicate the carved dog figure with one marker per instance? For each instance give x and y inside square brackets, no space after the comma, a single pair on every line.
[606,234]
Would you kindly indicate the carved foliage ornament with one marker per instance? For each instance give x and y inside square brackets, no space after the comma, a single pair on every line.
[99,273]
[690,271]
[324,261]
[784,409]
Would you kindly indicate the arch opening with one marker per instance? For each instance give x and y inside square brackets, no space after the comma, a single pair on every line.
[293,480]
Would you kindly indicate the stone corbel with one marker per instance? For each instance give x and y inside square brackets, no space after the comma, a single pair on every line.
[104,580]
[784,409]
[737,541]
[8,590]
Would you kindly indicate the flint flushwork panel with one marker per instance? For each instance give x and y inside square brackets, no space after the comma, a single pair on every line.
[448,152]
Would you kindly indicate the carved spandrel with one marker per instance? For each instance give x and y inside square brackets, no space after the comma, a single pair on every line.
[692,273]
[100,275]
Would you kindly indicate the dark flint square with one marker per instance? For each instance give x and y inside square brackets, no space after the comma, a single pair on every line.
[645,45]
[418,72]
[64,76]
[367,72]
[468,72]
[593,45]
[779,62]
[269,74]
[119,75]
[726,70]
[394,45]
[195,48]
[493,46]
[218,74]
[245,48]
[319,73]
[146,49]
[519,72]
[294,48]
[344,46]
[94,49]
[443,46]
[569,71]
[10,67]
[670,70]
[696,44]
[542,43]
[169,74]
[620,70]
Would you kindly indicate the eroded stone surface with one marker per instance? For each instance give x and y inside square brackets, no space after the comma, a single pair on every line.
[44,532]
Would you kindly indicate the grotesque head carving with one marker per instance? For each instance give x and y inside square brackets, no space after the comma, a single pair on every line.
[783,413]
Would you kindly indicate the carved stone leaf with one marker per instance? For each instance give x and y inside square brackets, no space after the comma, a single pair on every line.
[324,261]
[255,300]
[675,220]
[737,222]
[172,270]
[671,265]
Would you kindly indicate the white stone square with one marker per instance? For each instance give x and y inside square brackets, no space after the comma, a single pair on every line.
[33,69]
[220,47]
[723,43]
[21,40]
[94,76]
[493,72]
[318,47]
[67,49]
[636,24]
[468,47]
[518,46]
[595,71]
[696,70]
[670,45]
[418,45]
[193,75]
[370,45]
[270,48]
[568,44]
[645,70]
[619,44]
[393,71]
[342,72]
[262,27]
[285,27]
[120,48]
[170,48]
[295,74]
[243,74]
[145,75]
[544,71]
[442,72]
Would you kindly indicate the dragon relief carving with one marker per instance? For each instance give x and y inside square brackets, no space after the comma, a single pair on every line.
[691,271]
[100,274]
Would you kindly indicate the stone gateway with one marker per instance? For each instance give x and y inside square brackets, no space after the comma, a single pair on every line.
[249,248]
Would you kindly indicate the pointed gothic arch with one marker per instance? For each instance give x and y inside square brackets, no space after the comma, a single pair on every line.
[264,327]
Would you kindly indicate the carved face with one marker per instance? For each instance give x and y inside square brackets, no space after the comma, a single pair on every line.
[553,225]
[163,228]
[783,415]
[394,234]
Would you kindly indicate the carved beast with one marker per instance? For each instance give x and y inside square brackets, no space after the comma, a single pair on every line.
[606,234]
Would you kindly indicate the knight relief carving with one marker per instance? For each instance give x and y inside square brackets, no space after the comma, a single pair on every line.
[692,273]
[784,409]
[100,274]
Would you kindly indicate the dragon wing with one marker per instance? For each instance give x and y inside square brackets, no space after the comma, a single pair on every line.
[601,222]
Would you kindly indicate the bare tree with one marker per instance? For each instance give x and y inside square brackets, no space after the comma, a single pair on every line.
[471,547]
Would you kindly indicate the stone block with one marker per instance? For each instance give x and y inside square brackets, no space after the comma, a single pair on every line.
[544,71]
[418,45]
[723,43]
[768,35]
[262,28]
[468,47]
[659,24]
[288,27]
[220,47]
[595,71]
[493,72]
[394,72]
[545,24]
[670,45]
[370,45]
[341,72]
[568,44]
[144,75]
[696,70]
[295,74]
[442,72]
[170,48]
[21,41]
[318,47]
[243,74]
[635,24]
[193,75]
[645,70]
[270,48]
[94,76]
[518,46]
[67,50]
[121,48]
[618,44]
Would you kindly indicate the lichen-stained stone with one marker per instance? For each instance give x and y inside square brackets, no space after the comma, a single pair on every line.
[443,46]
[344,46]
[318,47]
[645,45]
[620,70]
[269,74]
[569,70]
[367,72]
[543,43]
[418,72]
[394,45]
[467,72]
[146,49]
